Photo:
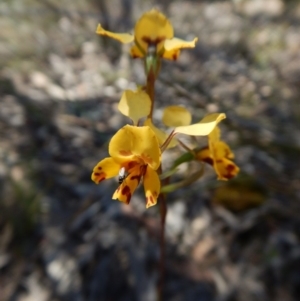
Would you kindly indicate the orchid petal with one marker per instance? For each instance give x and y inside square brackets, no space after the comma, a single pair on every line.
[153,28]
[175,43]
[135,143]
[135,105]
[203,128]
[174,116]
[105,169]
[151,186]
[124,38]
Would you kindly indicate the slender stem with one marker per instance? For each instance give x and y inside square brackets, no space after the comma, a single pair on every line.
[185,146]
[150,90]
[167,142]
[163,214]
[185,182]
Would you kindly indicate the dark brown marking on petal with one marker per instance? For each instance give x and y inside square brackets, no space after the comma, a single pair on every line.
[155,193]
[126,191]
[174,57]
[125,153]
[208,160]
[230,167]
[154,42]
[131,164]
[98,177]
[219,160]
[136,177]
[149,201]
[143,169]
[230,171]
[99,168]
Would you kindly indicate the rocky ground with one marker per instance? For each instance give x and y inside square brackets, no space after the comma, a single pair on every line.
[63,238]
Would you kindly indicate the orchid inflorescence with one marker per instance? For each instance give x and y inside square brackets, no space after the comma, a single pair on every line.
[136,150]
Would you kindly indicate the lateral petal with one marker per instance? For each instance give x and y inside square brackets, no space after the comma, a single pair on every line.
[202,128]
[124,38]
[175,43]
[171,54]
[105,169]
[151,186]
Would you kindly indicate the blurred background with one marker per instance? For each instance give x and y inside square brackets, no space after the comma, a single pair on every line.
[63,238]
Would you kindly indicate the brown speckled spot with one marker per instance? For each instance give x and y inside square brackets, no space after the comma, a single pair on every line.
[97,174]
[126,191]
[174,57]
[99,168]
[151,199]
[136,177]
[131,164]
[230,168]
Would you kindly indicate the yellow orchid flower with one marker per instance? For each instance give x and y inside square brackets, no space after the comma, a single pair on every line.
[219,155]
[179,119]
[134,155]
[153,34]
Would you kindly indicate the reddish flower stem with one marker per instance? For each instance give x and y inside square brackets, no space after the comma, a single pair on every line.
[150,90]
[163,214]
